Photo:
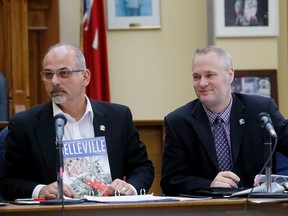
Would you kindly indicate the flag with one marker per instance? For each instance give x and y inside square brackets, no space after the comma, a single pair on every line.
[95,49]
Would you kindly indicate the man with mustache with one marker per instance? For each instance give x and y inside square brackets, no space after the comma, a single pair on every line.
[29,167]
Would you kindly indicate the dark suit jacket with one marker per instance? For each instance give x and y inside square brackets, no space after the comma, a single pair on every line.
[190,159]
[31,151]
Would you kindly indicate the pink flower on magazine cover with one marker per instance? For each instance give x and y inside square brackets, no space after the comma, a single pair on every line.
[97,185]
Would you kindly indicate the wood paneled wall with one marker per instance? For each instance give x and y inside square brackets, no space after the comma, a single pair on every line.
[27,29]
[151,132]
[14,51]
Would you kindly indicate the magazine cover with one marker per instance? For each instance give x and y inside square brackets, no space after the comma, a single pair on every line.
[86,166]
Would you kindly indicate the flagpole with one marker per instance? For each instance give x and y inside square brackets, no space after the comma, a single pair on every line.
[81,24]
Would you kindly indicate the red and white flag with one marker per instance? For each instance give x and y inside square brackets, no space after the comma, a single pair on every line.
[95,49]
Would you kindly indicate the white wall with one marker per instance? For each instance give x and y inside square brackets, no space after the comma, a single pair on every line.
[70,21]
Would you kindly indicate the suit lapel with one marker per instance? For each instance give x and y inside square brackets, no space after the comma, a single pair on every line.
[202,127]
[101,123]
[238,124]
[45,135]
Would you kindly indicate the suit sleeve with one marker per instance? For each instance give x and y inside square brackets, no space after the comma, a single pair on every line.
[14,183]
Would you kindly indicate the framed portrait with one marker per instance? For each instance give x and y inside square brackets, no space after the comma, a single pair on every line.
[257,82]
[133,14]
[246,18]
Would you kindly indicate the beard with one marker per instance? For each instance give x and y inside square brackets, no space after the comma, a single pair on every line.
[56,98]
[59,99]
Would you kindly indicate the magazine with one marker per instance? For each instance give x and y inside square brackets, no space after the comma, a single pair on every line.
[86,166]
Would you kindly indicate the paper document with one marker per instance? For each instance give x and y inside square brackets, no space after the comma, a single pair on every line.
[269,200]
[132,199]
[275,188]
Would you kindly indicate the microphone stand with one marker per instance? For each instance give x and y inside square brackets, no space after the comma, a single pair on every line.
[60,198]
[268,168]
[268,173]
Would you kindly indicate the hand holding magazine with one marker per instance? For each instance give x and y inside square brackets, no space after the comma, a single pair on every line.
[86,166]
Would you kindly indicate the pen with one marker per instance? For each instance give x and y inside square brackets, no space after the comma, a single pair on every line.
[39,199]
[30,199]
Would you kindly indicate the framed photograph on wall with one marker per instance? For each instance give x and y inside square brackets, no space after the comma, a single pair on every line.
[133,14]
[246,18]
[257,82]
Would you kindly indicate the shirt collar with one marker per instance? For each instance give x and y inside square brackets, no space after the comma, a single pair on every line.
[225,114]
[88,111]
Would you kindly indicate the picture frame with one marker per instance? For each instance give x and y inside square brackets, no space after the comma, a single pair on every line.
[234,18]
[133,14]
[259,82]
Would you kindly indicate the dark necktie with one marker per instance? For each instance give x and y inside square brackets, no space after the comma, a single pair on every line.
[222,146]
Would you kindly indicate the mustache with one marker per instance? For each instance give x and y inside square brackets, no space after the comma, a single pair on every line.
[57,89]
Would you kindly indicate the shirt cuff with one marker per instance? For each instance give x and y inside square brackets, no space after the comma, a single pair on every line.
[135,191]
[36,191]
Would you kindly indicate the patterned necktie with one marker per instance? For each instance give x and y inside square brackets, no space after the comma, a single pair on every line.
[222,146]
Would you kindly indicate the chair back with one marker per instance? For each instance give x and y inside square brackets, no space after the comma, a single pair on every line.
[3,98]
[3,134]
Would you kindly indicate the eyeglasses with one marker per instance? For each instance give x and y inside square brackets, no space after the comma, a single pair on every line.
[64,74]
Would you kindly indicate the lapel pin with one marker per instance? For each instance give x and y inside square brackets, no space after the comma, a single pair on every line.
[102,127]
[241,121]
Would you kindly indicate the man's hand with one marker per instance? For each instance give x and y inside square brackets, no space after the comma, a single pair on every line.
[50,191]
[225,179]
[121,186]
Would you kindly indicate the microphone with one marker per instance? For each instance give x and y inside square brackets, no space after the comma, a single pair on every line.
[265,121]
[60,121]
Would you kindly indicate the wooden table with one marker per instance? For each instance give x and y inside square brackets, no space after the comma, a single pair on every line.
[178,208]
